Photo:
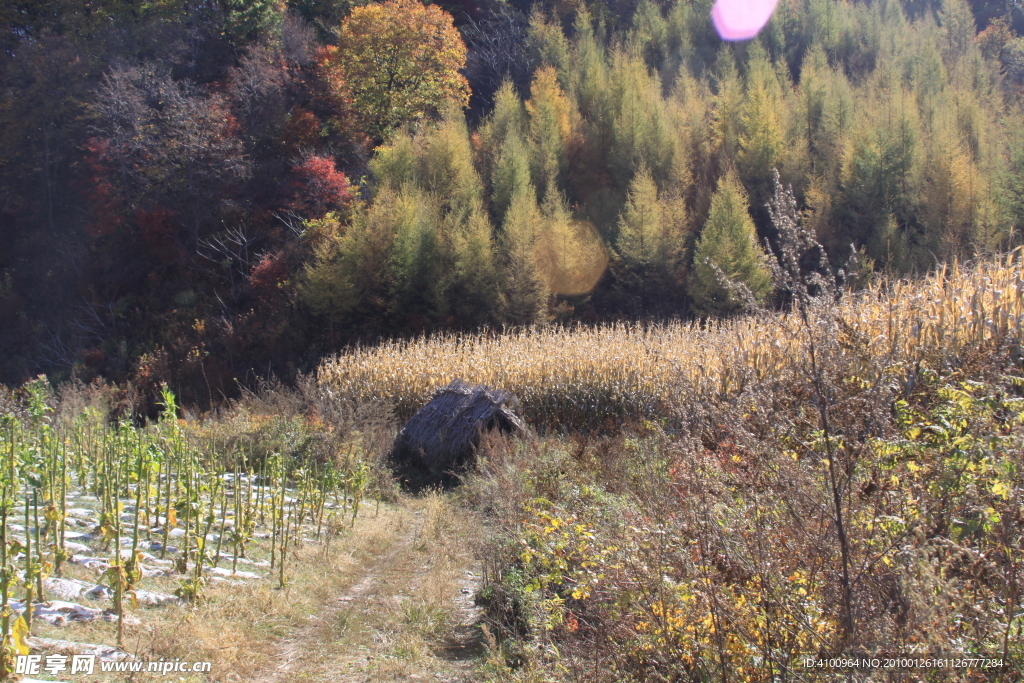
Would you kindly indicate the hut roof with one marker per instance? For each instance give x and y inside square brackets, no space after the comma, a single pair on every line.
[446,431]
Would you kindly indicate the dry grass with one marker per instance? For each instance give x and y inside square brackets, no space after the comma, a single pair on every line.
[381,603]
[584,377]
[256,631]
[246,631]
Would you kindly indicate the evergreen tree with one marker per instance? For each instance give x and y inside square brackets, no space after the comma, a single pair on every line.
[728,104]
[421,261]
[1012,183]
[826,109]
[642,236]
[882,180]
[692,106]
[554,247]
[507,119]
[475,296]
[642,131]
[762,140]
[525,291]
[650,35]
[588,77]
[569,257]
[349,276]
[446,165]
[551,123]
[650,245]
[728,248]
[394,164]
[546,42]
[511,174]
[958,29]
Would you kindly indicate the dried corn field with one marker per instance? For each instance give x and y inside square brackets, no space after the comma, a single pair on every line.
[585,376]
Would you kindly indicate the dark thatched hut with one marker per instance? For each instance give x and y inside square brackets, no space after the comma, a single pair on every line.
[443,436]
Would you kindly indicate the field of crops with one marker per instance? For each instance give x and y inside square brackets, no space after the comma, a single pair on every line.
[150,517]
[581,377]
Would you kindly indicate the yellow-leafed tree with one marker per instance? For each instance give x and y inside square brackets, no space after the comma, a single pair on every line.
[399,61]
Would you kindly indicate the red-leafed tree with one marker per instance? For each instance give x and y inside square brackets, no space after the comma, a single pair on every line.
[302,130]
[319,186]
[272,270]
[158,230]
[166,143]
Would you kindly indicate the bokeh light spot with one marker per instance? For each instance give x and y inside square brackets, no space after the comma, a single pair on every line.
[741,19]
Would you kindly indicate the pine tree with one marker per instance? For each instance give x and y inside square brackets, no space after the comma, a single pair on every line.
[475,296]
[650,35]
[511,174]
[762,140]
[507,119]
[350,271]
[1012,184]
[551,123]
[642,132]
[882,179]
[958,29]
[421,261]
[728,247]
[328,283]
[588,77]
[650,246]
[446,165]
[826,109]
[641,241]
[728,104]
[692,103]
[546,41]
[394,163]
[525,291]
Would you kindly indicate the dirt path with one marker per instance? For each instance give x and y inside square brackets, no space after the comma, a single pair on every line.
[405,609]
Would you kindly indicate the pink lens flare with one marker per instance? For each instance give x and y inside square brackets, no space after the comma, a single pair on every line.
[741,19]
